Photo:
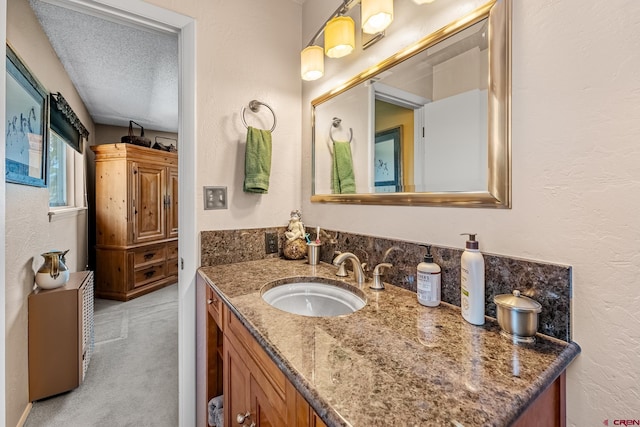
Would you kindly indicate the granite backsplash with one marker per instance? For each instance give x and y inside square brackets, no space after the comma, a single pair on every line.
[549,284]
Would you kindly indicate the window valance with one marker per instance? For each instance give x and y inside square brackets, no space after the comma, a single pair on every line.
[65,122]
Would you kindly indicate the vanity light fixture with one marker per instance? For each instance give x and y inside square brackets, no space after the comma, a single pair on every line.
[376,15]
[423,1]
[339,34]
[339,37]
[312,63]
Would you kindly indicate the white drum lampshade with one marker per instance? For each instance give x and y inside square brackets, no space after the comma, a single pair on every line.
[376,15]
[312,63]
[339,37]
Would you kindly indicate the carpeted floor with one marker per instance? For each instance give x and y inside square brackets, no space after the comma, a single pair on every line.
[132,378]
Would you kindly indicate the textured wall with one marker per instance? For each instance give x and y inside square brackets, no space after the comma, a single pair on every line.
[28,230]
[246,50]
[576,126]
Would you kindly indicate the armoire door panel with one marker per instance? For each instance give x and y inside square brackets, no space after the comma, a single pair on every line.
[149,198]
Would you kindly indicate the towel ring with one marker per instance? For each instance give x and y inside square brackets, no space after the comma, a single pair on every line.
[336,122]
[254,106]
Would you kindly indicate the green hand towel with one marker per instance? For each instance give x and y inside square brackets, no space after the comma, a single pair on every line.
[343,180]
[257,161]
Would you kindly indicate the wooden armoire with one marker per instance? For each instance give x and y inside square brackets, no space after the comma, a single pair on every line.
[136,220]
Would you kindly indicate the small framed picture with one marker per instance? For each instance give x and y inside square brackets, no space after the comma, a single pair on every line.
[387,158]
[27,125]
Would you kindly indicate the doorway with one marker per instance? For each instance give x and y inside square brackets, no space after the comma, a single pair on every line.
[137,12]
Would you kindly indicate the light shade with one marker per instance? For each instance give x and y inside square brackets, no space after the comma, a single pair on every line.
[311,63]
[376,15]
[423,1]
[339,37]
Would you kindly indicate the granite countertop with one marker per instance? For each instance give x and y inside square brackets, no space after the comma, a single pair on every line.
[394,362]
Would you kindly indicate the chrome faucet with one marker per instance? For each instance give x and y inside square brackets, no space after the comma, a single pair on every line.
[378,284]
[358,272]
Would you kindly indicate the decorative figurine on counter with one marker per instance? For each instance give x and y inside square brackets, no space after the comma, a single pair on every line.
[295,245]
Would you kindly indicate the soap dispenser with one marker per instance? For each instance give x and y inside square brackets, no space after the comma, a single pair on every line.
[428,280]
[472,282]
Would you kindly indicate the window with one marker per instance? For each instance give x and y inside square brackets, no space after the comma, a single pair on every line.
[65,162]
[65,171]
[57,167]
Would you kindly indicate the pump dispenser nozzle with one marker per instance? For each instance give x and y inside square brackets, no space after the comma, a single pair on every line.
[472,243]
[427,257]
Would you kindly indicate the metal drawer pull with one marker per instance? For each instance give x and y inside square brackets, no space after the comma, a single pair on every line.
[149,274]
[148,256]
[212,301]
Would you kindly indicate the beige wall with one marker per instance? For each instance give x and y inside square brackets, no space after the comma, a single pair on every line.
[106,134]
[576,127]
[28,230]
[246,49]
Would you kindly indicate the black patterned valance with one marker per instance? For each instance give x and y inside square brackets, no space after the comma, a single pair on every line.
[65,122]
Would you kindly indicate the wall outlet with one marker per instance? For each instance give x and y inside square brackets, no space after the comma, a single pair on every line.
[270,242]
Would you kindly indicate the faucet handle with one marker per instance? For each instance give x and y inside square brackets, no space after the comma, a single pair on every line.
[377,275]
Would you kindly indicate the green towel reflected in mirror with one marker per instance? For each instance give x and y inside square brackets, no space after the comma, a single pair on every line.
[343,180]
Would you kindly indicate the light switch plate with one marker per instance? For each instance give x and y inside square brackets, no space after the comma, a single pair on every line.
[215,198]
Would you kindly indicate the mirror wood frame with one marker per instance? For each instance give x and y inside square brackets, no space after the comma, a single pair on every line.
[498,194]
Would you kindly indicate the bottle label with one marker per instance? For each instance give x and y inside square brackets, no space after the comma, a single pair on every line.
[427,288]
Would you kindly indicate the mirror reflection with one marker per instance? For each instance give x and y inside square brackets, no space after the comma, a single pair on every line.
[422,125]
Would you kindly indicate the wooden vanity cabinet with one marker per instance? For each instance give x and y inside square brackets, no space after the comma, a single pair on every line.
[549,409]
[235,364]
[136,220]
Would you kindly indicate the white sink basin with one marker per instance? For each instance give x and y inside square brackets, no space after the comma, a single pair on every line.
[313,299]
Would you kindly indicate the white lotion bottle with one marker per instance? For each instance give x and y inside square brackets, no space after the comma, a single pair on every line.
[428,288]
[472,282]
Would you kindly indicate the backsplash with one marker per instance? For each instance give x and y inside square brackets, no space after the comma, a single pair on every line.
[549,284]
[230,246]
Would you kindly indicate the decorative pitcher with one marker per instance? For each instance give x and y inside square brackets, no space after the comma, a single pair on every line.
[53,273]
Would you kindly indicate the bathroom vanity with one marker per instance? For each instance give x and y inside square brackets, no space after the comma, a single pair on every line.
[393,362]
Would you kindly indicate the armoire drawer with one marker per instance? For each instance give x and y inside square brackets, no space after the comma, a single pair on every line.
[148,274]
[149,254]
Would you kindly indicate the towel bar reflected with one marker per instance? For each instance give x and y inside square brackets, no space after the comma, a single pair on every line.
[336,123]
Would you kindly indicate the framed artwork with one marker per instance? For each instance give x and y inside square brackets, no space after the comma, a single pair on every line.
[27,124]
[387,164]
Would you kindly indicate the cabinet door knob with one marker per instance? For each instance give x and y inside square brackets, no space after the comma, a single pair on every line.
[240,418]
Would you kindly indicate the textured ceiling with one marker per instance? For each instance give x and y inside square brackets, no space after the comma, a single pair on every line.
[122,72]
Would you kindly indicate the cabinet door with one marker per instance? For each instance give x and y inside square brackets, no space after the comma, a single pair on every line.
[147,190]
[265,413]
[172,203]
[236,386]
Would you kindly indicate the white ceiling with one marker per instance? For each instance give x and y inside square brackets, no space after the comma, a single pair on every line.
[121,71]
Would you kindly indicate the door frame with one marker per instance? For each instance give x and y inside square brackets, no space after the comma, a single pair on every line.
[139,13]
